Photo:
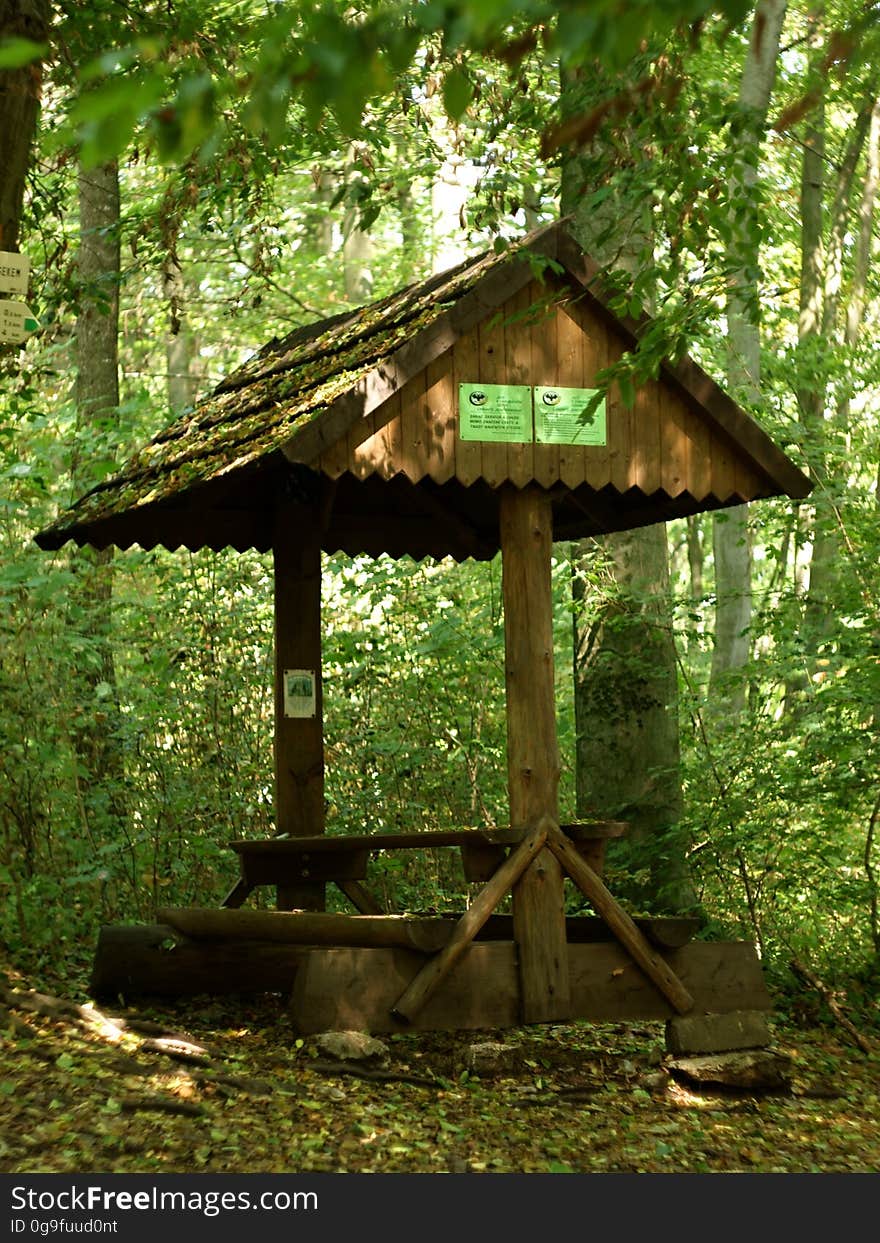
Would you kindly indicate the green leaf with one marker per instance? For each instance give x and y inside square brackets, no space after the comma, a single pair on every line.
[15,53]
[458,91]
[627,391]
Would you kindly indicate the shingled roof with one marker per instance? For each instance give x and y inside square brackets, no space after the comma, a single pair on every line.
[213,475]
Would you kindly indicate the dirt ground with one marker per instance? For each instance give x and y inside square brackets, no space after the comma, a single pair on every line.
[208,1087]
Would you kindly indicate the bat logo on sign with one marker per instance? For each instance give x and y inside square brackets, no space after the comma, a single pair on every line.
[477,398]
[550,398]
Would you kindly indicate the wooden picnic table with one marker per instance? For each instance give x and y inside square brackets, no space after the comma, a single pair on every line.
[289,863]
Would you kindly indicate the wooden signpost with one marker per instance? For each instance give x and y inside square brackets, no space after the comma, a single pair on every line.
[17,322]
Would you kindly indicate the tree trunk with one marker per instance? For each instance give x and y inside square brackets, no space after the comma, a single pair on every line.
[828,434]
[626,711]
[696,556]
[97,401]
[730,534]
[625,679]
[357,257]
[178,344]
[19,109]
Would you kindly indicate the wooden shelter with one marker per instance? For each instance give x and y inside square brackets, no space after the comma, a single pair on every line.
[457,417]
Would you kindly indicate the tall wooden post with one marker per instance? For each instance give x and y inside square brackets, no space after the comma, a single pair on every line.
[299,725]
[532,749]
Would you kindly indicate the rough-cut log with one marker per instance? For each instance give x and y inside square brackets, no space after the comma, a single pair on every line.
[620,923]
[308,928]
[428,934]
[339,989]
[526,526]
[432,975]
[153,960]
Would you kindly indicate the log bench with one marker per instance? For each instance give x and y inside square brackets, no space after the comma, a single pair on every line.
[292,864]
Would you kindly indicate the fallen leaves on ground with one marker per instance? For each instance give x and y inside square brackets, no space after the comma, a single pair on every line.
[79,1096]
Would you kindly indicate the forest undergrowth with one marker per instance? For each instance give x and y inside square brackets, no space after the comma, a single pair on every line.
[204,1086]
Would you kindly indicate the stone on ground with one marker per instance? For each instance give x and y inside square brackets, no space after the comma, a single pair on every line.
[717,1033]
[759,1069]
[351,1047]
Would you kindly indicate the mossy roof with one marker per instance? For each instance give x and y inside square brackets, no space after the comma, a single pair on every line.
[256,410]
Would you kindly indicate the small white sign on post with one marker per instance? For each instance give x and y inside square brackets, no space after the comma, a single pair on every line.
[14,272]
[300,692]
[16,322]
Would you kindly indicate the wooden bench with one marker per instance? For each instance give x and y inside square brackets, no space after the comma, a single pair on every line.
[292,863]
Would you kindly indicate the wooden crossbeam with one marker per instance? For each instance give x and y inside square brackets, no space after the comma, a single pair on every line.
[424,984]
[622,926]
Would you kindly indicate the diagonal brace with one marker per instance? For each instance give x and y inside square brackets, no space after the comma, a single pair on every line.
[634,942]
[436,969]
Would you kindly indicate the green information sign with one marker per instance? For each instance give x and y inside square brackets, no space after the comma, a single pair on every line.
[501,413]
[561,417]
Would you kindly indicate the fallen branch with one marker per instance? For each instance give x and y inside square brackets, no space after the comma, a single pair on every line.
[17,1026]
[376,1076]
[160,1104]
[180,1050]
[812,980]
[254,1087]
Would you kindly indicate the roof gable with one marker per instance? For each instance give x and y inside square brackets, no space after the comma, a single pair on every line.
[550,335]
[374,392]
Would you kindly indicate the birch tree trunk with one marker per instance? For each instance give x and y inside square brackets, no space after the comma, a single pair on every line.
[357,256]
[730,528]
[829,429]
[625,675]
[178,343]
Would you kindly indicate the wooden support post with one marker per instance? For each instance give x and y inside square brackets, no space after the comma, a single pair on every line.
[360,898]
[237,895]
[526,522]
[626,932]
[299,740]
[420,989]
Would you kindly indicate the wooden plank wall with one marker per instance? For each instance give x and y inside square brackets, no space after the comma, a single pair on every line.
[661,443]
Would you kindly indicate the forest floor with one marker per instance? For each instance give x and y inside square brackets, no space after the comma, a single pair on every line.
[202,1086]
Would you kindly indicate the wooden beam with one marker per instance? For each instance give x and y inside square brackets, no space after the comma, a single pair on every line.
[424,933]
[339,989]
[360,897]
[620,923]
[299,740]
[418,839]
[432,975]
[137,960]
[237,894]
[526,522]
